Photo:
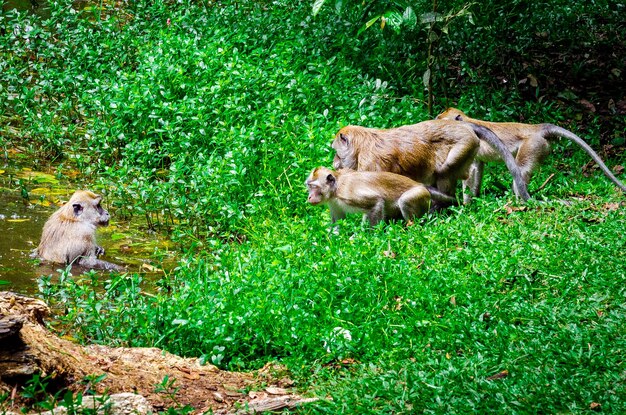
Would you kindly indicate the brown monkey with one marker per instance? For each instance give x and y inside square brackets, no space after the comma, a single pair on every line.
[528,142]
[69,235]
[435,152]
[378,195]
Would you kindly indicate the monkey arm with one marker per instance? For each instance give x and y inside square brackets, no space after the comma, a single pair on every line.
[440,197]
[336,212]
[376,213]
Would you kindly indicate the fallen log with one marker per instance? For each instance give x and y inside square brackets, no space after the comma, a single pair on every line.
[27,348]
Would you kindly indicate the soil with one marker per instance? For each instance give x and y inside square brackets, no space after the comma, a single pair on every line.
[27,348]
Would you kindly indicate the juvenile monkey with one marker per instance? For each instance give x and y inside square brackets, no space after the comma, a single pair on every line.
[379,196]
[69,235]
[435,152]
[528,142]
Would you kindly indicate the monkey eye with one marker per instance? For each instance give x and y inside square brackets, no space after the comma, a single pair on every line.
[458,118]
[343,138]
[78,209]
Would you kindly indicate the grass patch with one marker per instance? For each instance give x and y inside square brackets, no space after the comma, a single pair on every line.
[206,119]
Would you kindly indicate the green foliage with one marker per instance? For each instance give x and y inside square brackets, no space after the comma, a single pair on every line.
[441,307]
[205,119]
[40,393]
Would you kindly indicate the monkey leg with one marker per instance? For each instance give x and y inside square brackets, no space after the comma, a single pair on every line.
[376,213]
[473,182]
[336,213]
[414,203]
[529,156]
[459,159]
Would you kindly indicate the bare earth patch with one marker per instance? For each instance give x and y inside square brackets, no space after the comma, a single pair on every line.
[27,347]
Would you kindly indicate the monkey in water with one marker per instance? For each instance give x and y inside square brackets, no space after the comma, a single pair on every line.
[434,152]
[528,142]
[380,196]
[69,235]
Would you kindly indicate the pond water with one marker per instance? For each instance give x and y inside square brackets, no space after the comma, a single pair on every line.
[39,7]
[28,198]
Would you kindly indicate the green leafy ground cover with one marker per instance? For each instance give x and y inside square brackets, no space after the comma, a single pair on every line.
[205,119]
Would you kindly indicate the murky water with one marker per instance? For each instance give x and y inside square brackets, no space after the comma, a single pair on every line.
[28,198]
[39,7]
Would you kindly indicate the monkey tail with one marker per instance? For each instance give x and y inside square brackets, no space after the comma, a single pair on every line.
[484,133]
[551,130]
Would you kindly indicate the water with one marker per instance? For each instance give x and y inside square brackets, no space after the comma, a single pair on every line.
[127,243]
[39,7]
[20,229]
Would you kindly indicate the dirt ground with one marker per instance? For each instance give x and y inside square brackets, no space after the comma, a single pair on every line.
[27,347]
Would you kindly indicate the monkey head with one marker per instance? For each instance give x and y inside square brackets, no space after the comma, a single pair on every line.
[345,157]
[322,185]
[452,114]
[85,206]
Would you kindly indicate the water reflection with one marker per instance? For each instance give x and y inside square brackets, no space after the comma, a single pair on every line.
[20,229]
[23,214]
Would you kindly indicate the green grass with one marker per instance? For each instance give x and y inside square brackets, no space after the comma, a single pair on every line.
[208,126]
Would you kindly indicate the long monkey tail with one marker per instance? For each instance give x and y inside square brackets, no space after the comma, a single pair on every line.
[551,130]
[484,133]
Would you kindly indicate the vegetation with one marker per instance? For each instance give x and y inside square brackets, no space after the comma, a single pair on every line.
[204,119]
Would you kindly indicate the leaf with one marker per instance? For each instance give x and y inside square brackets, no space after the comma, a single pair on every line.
[409,17]
[430,17]
[426,78]
[368,24]
[317,5]
[394,19]
[339,5]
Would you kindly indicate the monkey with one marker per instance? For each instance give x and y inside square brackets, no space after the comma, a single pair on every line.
[434,152]
[380,196]
[528,142]
[69,235]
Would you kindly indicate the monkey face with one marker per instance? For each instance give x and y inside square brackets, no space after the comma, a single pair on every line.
[321,185]
[86,207]
[315,194]
[343,152]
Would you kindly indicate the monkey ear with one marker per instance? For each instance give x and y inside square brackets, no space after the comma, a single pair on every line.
[458,118]
[330,178]
[78,208]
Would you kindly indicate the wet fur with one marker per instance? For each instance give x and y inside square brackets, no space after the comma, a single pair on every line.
[69,237]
